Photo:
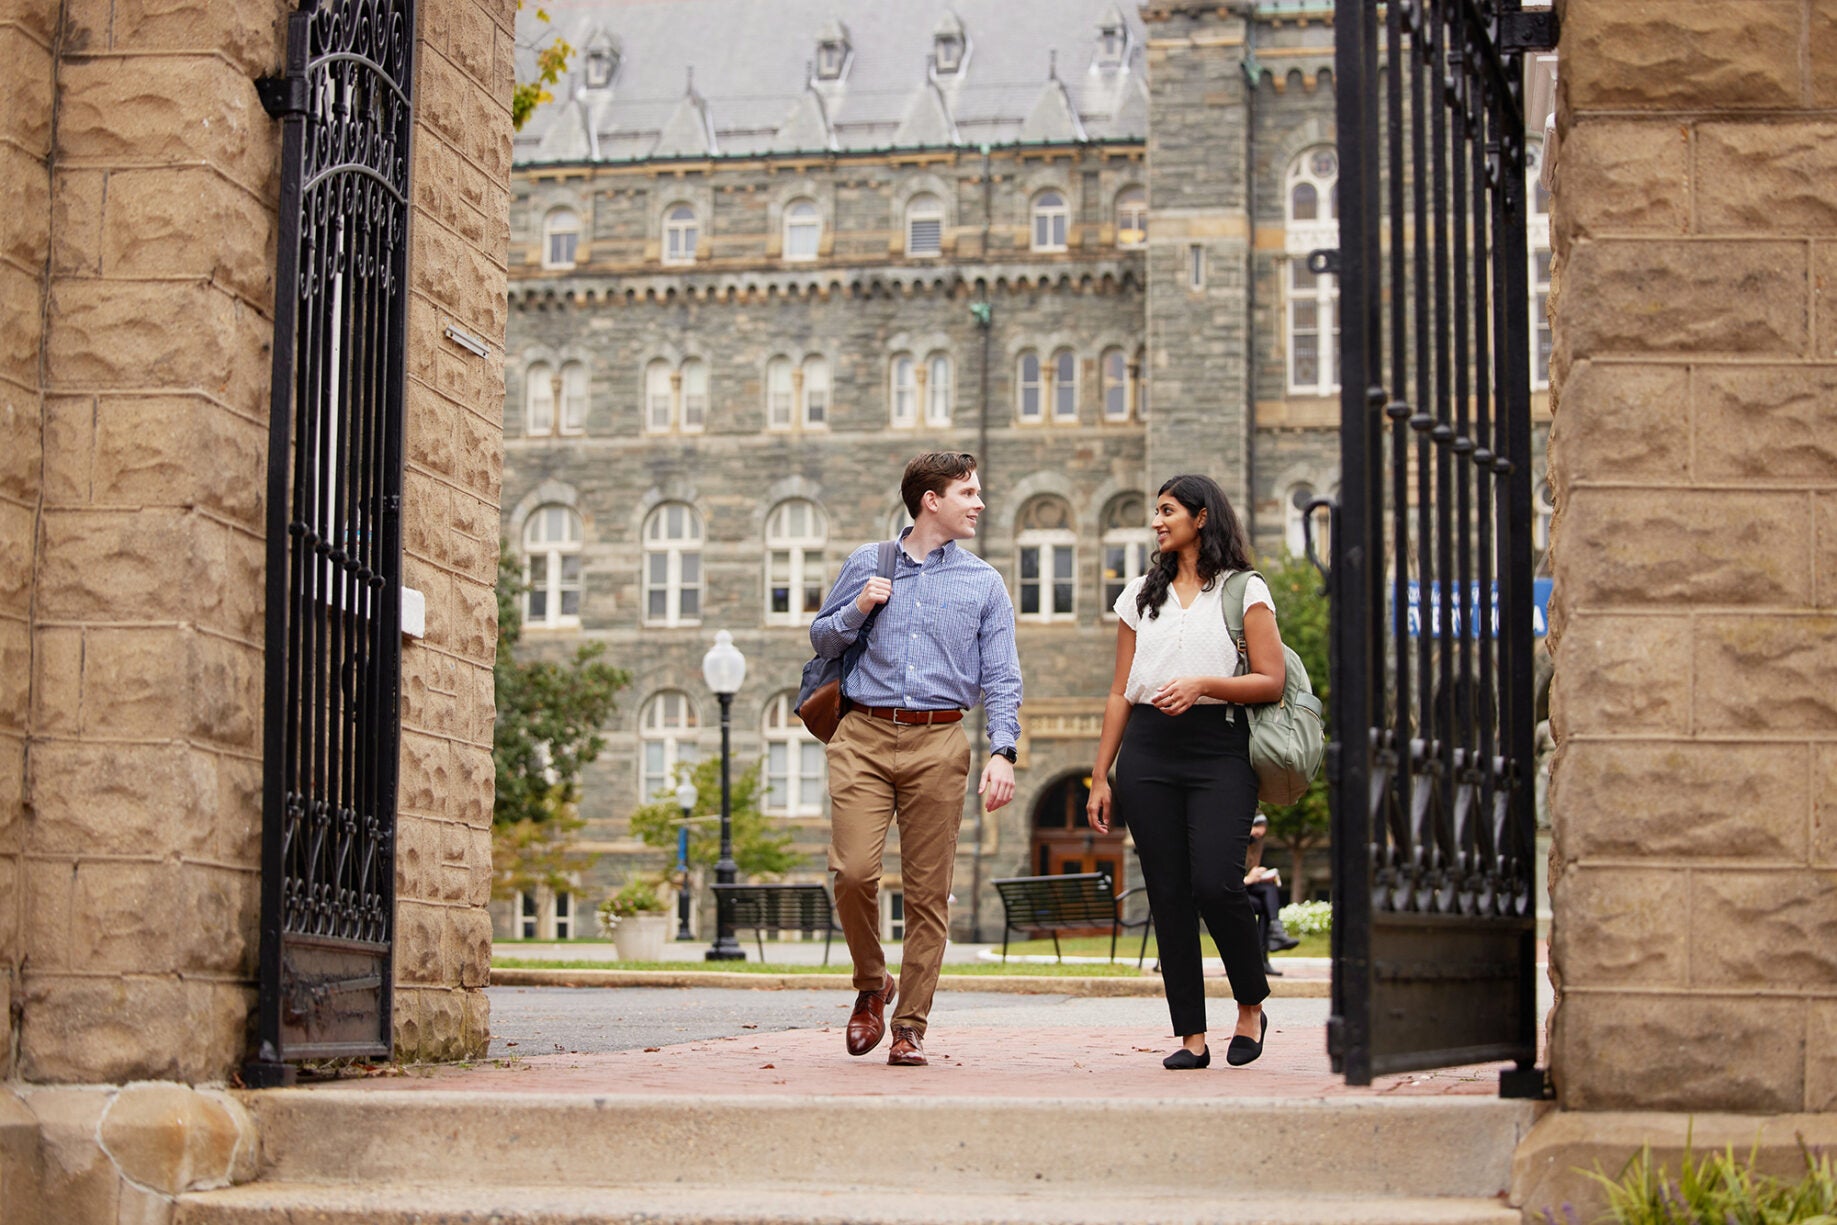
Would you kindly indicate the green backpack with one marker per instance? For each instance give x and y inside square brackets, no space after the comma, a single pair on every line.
[1288,736]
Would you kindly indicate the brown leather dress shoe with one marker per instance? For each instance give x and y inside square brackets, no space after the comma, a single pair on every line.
[907,1050]
[867,1024]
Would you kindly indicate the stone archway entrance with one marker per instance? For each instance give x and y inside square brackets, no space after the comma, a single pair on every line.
[1063,840]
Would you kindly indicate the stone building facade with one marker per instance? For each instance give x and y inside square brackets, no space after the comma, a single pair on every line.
[747,284]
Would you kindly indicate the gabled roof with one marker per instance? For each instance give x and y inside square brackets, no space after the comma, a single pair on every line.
[688,132]
[1053,118]
[928,121]
[806,128]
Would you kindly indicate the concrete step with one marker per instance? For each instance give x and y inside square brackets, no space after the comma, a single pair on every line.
[907,1200]
[1212,1149]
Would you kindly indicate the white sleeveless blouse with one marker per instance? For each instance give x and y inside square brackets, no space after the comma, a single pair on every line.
[1183,641]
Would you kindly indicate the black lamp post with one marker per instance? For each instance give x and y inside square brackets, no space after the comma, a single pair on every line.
[724,668]
[685,800]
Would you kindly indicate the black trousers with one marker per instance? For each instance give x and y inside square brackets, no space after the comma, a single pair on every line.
[1185,788]
[1266,898]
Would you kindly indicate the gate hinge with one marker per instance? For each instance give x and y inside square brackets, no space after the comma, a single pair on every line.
[1324,262]
[1529,30]
[282,96]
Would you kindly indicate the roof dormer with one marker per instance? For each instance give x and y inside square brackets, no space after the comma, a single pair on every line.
[832,51]
[949,45]
[1112,40]
[599,60]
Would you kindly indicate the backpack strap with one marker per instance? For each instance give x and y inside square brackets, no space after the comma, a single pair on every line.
[886,561]
[1236,588]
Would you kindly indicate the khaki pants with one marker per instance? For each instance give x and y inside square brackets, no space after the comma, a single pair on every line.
[880,771]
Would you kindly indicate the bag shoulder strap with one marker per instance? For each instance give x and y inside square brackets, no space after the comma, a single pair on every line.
[1236,588]
[886,561]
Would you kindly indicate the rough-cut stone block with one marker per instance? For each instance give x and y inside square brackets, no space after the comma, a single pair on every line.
[57,682]
[19,1153]
[477,1034]
[481,449]
[474,787]
[137,681]
[1628,547]
[153,450]
[154,565]
[189,222]
[237,824]
[21,325]
[170,111]
[430,693]
[1623,422]
[1821,1057]
[46,933]
[426,773]
[1622,927]
[473,621]
[430,429]
[1774,929]
[69,449]
[1765,177]
[117,334]
[245,596]
[1622,674]
[26,90]
[1763,425]
[1665,1051]
[414,859]
[427,518]
[37,18]
[124,914]
[254,36]
[471,39]
[1681,54]
[222,913]
[1824,808]
[1625,177]
[1767,673]
[1697,297]
[174,1139]
[76,221]
[1823,31]
[106,1029]
[224,691]
[1668,799]
[25,227]
[470,929]
[16,539]
[21,458]
[78,1182]
[1824,291]
[418,930]
[119,799]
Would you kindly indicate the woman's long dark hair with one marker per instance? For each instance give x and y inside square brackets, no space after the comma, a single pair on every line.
[1222,547]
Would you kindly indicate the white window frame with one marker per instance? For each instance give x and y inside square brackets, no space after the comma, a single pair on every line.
[1051,217]
[1135,545]
[1024,387]
[681,565]
[539,400]
[1064,390]
[561,914]
[924,208]
[813,393]
[1047,547]
[560,238]
[668,719]
[1316,169]
[575,398]
[1132,200]
[1294,517]
[659,397]
[551,567]
[1537,244]
[803,228]
[780,394]
[940,389]
[528,918]
[902,391]
[681,233]
[693,408]
[790,751]
[795,559]
[1113,371]
[1140,372]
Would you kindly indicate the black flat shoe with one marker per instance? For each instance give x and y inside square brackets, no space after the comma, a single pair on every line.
[1183,1059]
[1245,1050]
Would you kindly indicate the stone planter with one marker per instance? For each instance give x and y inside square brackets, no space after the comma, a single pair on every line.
[641,937]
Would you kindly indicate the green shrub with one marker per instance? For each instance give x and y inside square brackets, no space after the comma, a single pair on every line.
[1719,1189]
[636,896]
[1308,918]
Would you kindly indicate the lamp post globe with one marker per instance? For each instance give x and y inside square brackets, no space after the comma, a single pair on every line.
[685,800]
[724,668]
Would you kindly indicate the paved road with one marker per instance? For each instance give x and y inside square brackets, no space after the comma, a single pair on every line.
[551,1020]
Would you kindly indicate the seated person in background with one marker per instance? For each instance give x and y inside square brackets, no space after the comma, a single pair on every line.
[1265,888]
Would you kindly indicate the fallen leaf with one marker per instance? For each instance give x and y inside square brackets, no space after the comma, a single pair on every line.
[764,1066]
[653,1048]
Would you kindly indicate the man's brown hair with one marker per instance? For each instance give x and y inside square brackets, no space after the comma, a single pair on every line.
[933,472]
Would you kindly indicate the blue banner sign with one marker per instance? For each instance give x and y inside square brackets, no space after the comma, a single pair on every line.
[1467,616]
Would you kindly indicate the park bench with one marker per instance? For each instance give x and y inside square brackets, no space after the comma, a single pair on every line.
[1052,904]
[778,908]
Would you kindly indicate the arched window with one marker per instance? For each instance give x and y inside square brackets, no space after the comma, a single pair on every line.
[803,230]
[573,398]
[1294,518]
[1141,383]
[658,397]
[1127,542]
[1029,403]
[1312,300]
[560,238]
[793,762]
[924,225]
[1064,385]
[694,395]
[673,565]
[778,404]
[666,737]
[904,390]
[551,567]
[679,235]
[795,578]
[539,400]
[815,391]
[1115,368]
[1050,217]
[938,389]
[1132,217]
[1046,554]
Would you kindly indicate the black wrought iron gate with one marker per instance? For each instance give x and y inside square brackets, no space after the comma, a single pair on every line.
[1431,761]
[333,640]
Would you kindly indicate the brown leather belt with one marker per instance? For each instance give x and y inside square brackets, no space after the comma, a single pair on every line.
[899,714]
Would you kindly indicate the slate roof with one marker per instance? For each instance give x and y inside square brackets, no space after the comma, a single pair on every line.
[1032,72]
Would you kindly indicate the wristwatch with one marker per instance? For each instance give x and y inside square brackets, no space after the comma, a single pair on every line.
[1009,753]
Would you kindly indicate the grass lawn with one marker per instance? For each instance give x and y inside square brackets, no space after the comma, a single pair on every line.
[754,967]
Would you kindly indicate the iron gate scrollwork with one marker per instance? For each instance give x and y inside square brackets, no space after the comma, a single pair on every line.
[332,721]
[1432,755]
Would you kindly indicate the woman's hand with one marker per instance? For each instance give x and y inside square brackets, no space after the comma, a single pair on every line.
[1178,695]
[1098,809]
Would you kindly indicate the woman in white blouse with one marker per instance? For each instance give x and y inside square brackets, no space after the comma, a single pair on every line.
[1184,784]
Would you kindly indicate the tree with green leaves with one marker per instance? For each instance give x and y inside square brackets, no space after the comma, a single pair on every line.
[1304,825]
[549,716]
[762,847]
[552,54]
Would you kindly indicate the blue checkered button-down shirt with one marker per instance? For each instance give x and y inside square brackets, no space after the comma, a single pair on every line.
[943,639]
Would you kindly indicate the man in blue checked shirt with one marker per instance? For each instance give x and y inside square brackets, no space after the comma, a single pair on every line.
[943,640]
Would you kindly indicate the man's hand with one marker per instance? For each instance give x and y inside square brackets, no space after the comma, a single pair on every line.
[876,592]
[997,783]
